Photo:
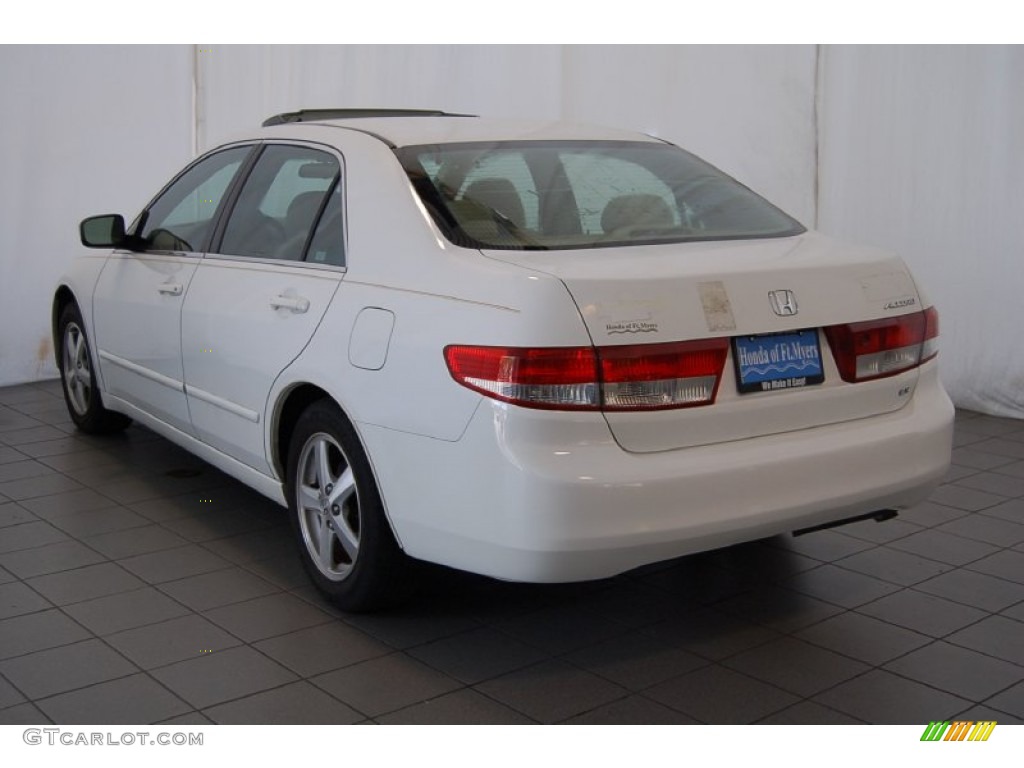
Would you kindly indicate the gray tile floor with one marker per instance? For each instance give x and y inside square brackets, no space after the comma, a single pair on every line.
[138,584]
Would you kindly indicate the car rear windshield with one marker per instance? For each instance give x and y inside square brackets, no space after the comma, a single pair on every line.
[545,195]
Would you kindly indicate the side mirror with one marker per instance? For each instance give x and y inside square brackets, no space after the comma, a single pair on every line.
[103,231]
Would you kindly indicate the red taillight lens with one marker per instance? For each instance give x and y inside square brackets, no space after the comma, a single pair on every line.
[627,378]
[879,348]
[561,377]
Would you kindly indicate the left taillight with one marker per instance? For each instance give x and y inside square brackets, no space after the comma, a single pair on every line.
[636,377]
[659,376]
[879,348]
[563,378]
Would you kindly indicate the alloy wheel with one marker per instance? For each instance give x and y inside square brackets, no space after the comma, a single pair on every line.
[328,506]
[77,371]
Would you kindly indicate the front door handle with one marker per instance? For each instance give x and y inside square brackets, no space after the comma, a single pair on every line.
[171,289]
[296,304]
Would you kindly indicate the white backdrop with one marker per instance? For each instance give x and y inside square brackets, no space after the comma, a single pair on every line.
[84,130]
[923,152]
[917,149]
[747,109]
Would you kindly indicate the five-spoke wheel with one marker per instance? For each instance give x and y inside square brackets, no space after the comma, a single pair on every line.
[81,392]
[77,372]
[344,538]
[328,504]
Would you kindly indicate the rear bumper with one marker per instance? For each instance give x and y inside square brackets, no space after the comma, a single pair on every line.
[536,496]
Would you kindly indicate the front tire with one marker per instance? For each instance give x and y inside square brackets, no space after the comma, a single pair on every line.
[78,378]
[343,536]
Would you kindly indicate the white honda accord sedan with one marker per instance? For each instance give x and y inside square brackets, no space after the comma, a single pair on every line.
[538,351]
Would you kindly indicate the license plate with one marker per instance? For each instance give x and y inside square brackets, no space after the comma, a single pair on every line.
[777,361]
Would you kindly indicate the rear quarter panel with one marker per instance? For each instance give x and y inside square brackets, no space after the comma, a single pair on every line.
[438,293]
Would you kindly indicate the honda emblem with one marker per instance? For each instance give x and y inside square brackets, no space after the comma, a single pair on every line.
[783,303]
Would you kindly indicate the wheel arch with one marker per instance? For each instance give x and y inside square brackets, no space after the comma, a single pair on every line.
[61,299]
[289,406]
[287,409]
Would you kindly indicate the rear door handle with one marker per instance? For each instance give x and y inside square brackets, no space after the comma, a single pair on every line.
[171,289]
[296,304]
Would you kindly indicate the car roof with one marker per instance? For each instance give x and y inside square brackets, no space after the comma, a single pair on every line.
[406,130]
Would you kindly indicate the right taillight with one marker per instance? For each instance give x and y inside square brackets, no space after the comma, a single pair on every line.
[879,348]
[635,377]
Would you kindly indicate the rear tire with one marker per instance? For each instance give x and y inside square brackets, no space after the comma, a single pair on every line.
[78,378]
[343,536]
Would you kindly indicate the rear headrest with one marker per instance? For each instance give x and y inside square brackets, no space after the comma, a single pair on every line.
[499,194]
[635,211]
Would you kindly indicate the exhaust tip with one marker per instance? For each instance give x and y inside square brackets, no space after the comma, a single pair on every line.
[879,516]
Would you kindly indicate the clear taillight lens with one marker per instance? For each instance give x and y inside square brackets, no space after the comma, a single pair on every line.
[879,348]
[655,376]
[628,378]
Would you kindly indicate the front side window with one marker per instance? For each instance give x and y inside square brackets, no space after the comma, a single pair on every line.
[181,217]
[280,203]
[542,195]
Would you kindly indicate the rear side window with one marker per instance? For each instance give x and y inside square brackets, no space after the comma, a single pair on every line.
[328,243]
[281,203]
[543,195]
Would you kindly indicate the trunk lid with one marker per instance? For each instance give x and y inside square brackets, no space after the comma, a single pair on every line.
[660,293]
